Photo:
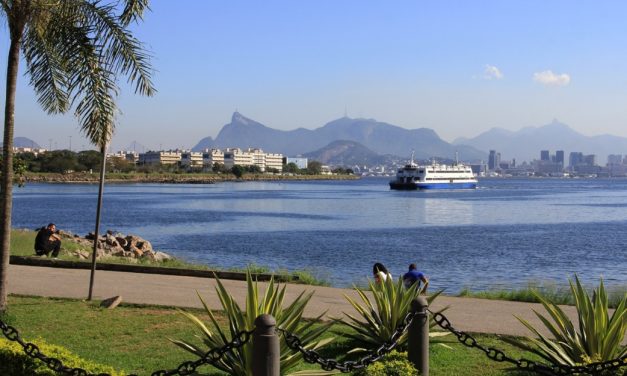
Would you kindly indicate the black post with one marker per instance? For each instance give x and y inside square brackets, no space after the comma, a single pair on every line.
[103,150]
[266,350]
[418,341]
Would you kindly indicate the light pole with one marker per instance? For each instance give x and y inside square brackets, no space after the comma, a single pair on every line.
[70,143]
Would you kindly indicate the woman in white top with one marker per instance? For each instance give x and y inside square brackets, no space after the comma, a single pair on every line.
[380,273]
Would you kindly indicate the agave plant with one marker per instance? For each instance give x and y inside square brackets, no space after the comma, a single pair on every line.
[239,362]
[379,319]
[597,338]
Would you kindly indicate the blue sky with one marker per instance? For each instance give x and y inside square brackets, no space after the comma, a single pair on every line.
[458,67]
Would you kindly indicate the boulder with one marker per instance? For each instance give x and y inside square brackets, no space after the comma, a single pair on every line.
[111,302]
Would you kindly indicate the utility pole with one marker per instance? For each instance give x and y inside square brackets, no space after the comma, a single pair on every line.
[70,143]
[50,140]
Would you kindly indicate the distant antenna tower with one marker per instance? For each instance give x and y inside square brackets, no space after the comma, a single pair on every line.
[345,111]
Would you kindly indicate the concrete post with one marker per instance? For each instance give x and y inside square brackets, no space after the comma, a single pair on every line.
[266,350]
[418,341]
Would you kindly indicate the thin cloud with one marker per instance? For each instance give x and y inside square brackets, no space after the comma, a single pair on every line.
[548,78]
[492,73]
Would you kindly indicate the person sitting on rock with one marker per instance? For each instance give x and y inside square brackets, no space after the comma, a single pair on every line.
[48,240]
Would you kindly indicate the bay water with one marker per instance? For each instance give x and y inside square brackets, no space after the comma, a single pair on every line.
[504,234]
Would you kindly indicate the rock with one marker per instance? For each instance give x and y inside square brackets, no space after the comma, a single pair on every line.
[121,241]
[90,236]
[111,302]
[162,256]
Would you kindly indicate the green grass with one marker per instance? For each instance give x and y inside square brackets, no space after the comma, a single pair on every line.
[134,338]
[22,242]
[559,294]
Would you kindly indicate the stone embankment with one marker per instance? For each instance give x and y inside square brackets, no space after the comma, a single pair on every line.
[131,247]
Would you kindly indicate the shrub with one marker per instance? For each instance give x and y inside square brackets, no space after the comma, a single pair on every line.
[239,362]
[14,361]
[597,338]
[378,320]
[393,364]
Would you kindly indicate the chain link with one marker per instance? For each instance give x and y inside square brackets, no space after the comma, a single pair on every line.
[212,356]
[311,356]
[526,364]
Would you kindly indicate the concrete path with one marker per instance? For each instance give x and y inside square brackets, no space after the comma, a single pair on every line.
[468,314]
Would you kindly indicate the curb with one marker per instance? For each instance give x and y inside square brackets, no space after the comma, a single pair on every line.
[238,276]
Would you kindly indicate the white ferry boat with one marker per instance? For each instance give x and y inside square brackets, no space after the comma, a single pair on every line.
[434,176]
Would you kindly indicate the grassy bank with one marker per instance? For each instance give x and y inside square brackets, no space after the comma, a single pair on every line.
[558,294]
[170,177]
[22,242]
[119,339]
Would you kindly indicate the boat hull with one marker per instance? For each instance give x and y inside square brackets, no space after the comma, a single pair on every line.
[417,186]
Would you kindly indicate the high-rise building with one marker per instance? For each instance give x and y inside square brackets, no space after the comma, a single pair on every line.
[575,158]
[559,157]
[614,159]
[493,163]
[544,155]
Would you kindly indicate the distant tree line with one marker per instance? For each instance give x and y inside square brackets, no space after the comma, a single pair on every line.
[65,161]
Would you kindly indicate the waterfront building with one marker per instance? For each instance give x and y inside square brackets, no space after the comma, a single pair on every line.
[160,157]
[614,159]
[575,158]
[494,160]
[191,159]
[544,155]
[298,161]
[211,157]
[274,161]
[559,157]
[235,156]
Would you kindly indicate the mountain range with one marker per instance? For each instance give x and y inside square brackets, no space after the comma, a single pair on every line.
[381,138]
[526,143]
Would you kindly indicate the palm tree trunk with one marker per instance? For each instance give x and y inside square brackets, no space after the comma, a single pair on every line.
[6,179]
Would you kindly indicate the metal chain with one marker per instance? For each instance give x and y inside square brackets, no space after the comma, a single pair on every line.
[212,356]
[311,356]
[526,364]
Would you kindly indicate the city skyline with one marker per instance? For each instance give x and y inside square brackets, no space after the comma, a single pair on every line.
[459,68]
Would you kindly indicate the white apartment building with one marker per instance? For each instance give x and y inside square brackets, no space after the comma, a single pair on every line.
[191,159]
[160,157]
[274,160]
[211,157]
[235,156]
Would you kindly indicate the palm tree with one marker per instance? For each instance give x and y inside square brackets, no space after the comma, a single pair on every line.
[74,51]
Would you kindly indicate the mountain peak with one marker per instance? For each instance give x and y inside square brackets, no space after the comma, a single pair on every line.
[239,118]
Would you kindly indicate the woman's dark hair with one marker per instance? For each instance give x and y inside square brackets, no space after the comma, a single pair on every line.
[378,267]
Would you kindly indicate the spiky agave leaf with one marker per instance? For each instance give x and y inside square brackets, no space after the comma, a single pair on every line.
[379,317]
[239,362]
[598,335]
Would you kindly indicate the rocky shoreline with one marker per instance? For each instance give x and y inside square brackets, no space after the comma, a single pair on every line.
[167,178]
[114,244]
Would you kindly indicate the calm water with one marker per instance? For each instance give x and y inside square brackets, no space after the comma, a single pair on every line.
[505,233]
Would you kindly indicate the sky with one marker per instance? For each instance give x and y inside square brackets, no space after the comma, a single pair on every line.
[458,67]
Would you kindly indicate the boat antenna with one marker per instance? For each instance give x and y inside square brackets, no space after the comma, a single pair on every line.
[456,158]
[412,158]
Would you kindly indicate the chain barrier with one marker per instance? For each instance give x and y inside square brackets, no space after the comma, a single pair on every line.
[497,355]
[212,356]
[311,356]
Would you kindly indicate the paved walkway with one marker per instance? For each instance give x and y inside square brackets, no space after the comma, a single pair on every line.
[469,314]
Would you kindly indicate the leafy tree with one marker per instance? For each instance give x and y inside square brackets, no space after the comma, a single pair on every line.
[238,171]
[89,160]
[120,165]
[314,167]
[291,168]
[253,169]
[218,167]
[59,161]
[74,50]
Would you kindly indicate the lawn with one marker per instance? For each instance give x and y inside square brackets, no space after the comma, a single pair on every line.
[135,338]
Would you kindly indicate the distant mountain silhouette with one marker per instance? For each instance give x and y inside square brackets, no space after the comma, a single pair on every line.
[24,142]
[381,138]
[525,144]
[347,154]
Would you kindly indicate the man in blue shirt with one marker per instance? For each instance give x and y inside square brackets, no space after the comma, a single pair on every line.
[414,276]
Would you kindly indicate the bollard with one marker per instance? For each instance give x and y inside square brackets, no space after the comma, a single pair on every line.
[418,341]
[266,350]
